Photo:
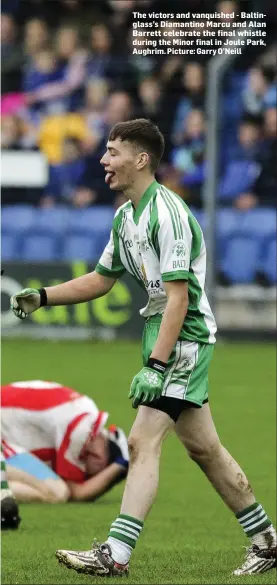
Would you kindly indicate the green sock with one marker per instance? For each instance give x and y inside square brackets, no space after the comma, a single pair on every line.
[127,529]
[4,483]
[253,519]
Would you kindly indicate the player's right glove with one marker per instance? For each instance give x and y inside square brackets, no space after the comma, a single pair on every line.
[27,301]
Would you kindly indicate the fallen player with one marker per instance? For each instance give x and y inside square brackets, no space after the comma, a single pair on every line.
[55,444]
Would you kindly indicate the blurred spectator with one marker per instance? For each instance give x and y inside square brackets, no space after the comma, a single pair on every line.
[119,108]
[270,123]
[96,96]
[260,91]
[12,133]
[105,59]
[101,61]
[265,188]
[36,37]
[43,70]
[187,159]
[150,96]
[65,177]
[65,89]
[249,138]
[54,129]
[12,58]
[244,166]
[140,65]
[193,82]
[229,8]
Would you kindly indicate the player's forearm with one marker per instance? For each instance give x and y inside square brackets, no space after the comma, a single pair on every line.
[95,486]
[79,290]
[171,325]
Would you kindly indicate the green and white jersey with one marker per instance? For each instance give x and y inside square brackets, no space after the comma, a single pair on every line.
[157,242]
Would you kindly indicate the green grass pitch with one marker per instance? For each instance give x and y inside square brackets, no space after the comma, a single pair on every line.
[189,537]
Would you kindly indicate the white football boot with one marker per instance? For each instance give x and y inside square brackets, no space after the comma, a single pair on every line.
[97,561]
[260,556]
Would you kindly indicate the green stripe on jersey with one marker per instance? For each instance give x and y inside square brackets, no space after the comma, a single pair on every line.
[171,198]
[173,218]
[154,227]
[176,275]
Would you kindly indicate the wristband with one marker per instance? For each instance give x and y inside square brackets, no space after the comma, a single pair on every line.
[43,297]
[122,461]
[156,365]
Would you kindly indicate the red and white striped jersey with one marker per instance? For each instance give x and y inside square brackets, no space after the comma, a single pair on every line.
[51,421]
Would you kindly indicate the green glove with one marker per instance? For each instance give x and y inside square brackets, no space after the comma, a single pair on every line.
[147,385]
[27,301]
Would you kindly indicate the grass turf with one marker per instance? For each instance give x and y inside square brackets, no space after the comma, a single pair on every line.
[190,536]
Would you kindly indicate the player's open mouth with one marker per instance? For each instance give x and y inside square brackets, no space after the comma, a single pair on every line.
[109,177]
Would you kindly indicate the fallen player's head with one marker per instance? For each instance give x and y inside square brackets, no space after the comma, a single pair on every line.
[134,149]
[108,446]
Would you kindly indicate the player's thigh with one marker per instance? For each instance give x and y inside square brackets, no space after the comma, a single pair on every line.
[196,430]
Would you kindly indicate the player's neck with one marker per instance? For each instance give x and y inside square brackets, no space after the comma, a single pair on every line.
[137,190]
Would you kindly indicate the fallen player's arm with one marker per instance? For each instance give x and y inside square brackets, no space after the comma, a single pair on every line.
[173,319]
[80,290]
[97,485]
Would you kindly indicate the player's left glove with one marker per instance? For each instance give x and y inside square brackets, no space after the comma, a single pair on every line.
[27,301]
[147,385]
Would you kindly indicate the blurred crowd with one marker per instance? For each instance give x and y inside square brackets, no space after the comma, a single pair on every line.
[68,75]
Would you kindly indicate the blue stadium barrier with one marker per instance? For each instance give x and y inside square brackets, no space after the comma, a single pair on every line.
[93,219]
[17,218]
[241,259]
[9,247]
[41,246]
[79,246]
[260,223]
[53,219]
[245,240]
[101,240]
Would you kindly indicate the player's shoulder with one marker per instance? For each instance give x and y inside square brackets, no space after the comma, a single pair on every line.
[118,216]
[170,203]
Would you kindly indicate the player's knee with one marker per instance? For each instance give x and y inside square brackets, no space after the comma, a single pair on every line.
[58,491]
[141,446]
[203,453]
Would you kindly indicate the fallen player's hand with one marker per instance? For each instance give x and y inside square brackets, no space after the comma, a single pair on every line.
[119,439]
[27,301]
[147,385]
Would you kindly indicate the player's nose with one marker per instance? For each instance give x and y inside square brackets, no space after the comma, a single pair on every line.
[104,160]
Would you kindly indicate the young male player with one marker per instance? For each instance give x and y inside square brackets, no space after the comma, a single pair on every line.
[55,445]
[158,241]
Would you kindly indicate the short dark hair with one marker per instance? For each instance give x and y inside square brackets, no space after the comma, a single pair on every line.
[144,134]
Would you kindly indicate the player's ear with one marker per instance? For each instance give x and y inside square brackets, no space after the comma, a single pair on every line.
[142,160]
